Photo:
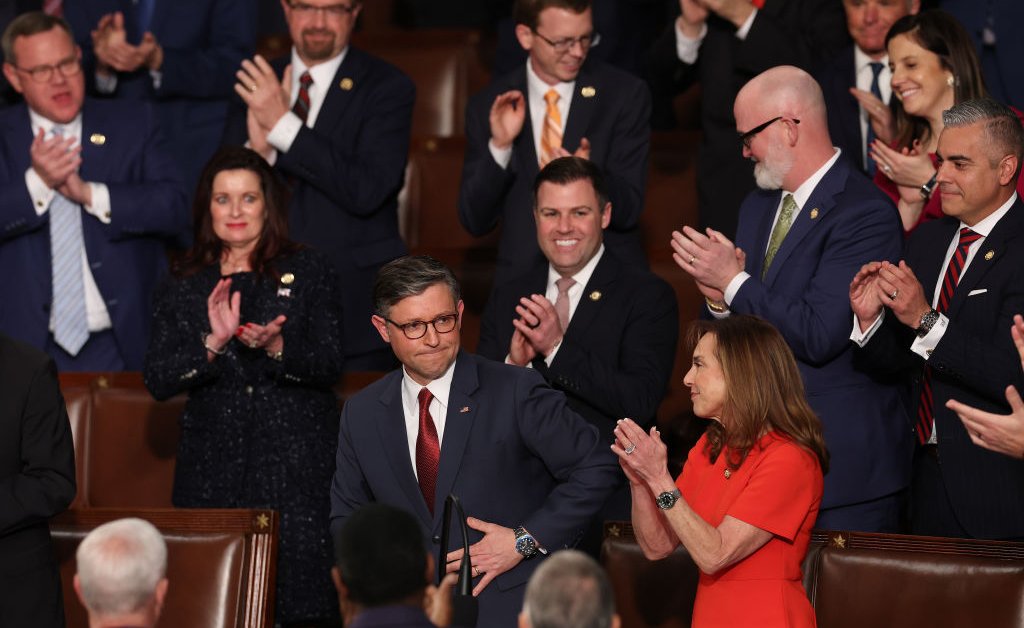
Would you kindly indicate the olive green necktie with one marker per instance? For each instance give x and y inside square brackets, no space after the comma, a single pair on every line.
[779,232]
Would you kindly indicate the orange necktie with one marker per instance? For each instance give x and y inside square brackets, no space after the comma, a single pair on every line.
[551,134]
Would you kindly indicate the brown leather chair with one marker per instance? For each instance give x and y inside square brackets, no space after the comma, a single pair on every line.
[221,563]
[77,391]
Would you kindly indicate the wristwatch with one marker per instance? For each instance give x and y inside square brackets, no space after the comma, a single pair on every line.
[526,545]
[667,499]
[928,321]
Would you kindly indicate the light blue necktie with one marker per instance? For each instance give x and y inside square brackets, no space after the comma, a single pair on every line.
[70,322]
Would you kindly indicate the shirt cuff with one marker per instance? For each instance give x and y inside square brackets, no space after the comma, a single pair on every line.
[106,83]
[157,77]
[744,30]
[502,156]
[686,47]
[734,286]
[924,346]
[40,194]
[100,207]
[285,132]
[861,338]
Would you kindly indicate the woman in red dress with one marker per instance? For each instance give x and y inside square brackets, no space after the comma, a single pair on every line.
[748,495]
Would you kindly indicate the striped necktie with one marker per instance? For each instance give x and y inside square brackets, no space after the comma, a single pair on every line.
[551,133]
[301,106]
[70,322]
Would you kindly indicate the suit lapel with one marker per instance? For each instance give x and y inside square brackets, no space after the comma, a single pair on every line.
[524,157]
[755,256]
[819,203]
[599,286]
[395,443]
[932,265]
[581,109]
[993,248]
[344,86]
[94,143]
[462,411]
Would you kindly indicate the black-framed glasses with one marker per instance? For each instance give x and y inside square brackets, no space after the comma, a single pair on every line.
[331,10]
[43,73]
[415,330]
[563,46]
[748,137]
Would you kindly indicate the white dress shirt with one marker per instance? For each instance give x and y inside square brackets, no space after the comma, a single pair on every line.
[535,90]
[440,388]
[687,48]
[287,128]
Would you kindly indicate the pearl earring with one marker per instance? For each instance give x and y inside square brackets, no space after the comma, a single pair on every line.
[950,80]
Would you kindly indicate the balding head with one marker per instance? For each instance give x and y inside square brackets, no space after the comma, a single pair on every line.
[797,143]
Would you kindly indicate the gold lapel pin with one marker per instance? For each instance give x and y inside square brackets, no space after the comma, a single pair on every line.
[98,139]
[287,279]
[464,410]
[814,213]
[595,295]
[346,84]
[989,255]
[588,92]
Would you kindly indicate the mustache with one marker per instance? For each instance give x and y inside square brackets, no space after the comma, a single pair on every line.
[317,31]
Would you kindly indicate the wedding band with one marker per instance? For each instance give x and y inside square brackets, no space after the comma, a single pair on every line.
[887,169]
[252,88]
[692,258]
[895,293]
[630,449]
[476,571]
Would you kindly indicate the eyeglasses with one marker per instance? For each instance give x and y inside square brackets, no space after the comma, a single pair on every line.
[748,137]
[336,11]
[563,46]
[43,73]
[417,329]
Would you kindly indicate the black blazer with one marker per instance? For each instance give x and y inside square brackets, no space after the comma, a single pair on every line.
[836,78]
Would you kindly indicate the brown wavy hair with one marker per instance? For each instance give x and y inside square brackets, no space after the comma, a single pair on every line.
[764,390]
[207,249]
[940,33]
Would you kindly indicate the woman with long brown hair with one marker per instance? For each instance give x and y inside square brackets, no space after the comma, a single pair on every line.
[749,493]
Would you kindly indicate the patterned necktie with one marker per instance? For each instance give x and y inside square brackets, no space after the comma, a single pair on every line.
[782,226]
[428,451]
[551,133]
[869,163]
[562,301]
[925,408]
[70,322]
[301,106]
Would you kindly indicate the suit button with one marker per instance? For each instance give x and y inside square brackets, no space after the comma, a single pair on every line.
[436,539]
[248,390]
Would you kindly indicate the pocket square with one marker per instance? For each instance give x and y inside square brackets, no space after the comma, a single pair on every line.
[974,292]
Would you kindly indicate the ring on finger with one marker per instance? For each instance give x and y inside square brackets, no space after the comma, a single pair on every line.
[895,293]
[476,571]
[692,258]
[630,449]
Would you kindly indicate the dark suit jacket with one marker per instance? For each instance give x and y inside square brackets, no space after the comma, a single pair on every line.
[846,222]
[614,117]
[347,172]
[973,363]
[617,354]
[37,481]
[204,42]
[127,257]
[1001,64]
[512,451]
[836,78]
[793,32]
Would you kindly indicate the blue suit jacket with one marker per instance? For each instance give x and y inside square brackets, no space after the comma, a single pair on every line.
[512,451]
[204,42]
[347,171]
[836,78]
[127,257]
[1001,64]
[614,115]
[846,222]
[973,363]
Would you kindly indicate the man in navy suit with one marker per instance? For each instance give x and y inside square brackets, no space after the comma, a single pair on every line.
[864,66]
[801,239]
[336,123]
[938,320]
[558,103]
[101,169]
[529,471]
[180,55]
[612,355]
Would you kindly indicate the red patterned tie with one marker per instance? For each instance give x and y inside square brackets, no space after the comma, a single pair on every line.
[301,106]
[925,408]
[428,452]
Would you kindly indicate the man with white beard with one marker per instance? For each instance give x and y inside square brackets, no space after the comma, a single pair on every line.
[801,238]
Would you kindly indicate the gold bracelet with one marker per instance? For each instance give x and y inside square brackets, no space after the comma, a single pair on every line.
[716,307]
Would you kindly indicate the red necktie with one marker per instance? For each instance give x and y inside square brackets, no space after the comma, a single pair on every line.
[301,106]
[428,452]
[925,408]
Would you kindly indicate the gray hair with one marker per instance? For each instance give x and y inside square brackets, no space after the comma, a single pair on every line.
[569,590]
[120,565]
[409,276]
[1002,125]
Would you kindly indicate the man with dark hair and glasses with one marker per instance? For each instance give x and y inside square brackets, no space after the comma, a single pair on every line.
[336,122]
[529,471]
[91,199]
[558,103]
[802,237]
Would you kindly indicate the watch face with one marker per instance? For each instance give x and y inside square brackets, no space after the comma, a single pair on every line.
[526,546]
[666,500]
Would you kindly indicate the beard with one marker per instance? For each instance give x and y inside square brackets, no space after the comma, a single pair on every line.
[770,172]
[320,49]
